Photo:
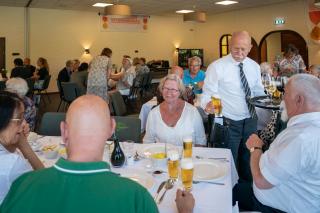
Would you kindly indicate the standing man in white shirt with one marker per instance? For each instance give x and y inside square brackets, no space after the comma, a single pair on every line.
[287,176]
[235,78]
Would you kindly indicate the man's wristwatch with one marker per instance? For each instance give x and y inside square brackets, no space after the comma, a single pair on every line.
[254,148]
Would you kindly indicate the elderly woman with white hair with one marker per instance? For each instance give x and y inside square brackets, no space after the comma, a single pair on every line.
[20,86]
[174,119]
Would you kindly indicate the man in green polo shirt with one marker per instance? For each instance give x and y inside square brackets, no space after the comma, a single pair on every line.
[83,183]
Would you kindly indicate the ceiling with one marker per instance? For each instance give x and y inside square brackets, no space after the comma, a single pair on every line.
[147,7]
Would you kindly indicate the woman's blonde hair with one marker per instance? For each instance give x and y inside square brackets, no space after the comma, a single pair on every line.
[172,77]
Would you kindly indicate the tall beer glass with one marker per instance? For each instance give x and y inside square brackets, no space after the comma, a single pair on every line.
[173,164]
[216,102]
[186,173]
[187,147]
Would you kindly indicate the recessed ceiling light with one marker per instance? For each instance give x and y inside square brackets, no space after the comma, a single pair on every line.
[101,4]
[184,11]
[226,2]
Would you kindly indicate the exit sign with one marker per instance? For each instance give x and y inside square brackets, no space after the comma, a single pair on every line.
[279,21]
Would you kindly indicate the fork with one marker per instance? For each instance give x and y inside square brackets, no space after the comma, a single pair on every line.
[215,183]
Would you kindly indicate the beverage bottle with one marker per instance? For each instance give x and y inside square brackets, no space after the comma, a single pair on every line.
[117,157]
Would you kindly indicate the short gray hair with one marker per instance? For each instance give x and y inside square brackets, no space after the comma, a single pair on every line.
[196,59]
[17,85]
[173,77]
[307,85]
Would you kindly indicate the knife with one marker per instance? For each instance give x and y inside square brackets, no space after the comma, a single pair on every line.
[159,189]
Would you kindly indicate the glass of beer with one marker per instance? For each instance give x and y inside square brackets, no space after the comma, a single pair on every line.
[216,102]
[187,147]
[186,173]
[173,164]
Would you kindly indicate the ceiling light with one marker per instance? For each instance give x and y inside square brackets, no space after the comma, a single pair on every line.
[226,2]
[101,4]
[317,3]
[118,9]
[195,17]
[184,11]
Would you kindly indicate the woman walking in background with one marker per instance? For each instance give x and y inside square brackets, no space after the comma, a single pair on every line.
[99,73]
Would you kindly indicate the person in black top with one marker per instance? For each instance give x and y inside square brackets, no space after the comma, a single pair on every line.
[65,73]
[28,65]
[19,70]
[43,70]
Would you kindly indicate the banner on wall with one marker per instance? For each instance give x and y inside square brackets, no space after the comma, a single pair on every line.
[314,16]
[124,23]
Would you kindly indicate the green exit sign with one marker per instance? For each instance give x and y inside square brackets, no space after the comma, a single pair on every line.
[279,21]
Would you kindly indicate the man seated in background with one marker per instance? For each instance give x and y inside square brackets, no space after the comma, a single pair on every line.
[141,70]
[65,73]
[286,176]
[19,70]
[27,64]
[81,77]
[83,182]
[125,77]
[194,76]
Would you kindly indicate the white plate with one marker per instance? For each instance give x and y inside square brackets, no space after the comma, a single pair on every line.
[153,148]
[206,170]
[140,176]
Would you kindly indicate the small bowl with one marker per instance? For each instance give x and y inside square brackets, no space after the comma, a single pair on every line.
[159,160]
[50,151]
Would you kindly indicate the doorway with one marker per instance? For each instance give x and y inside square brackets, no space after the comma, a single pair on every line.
[273,44]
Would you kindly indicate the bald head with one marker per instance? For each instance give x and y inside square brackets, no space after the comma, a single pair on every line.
[88,125]
[302,94]
[240,45]
[177,71]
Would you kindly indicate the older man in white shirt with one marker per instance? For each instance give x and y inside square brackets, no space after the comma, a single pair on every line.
[287,176]
[235,78]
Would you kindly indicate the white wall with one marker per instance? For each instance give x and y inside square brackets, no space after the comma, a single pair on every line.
[12,28]
[274,46]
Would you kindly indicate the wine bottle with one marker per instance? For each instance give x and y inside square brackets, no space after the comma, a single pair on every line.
[117,157]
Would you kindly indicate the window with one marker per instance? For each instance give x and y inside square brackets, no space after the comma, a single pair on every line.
[225,44]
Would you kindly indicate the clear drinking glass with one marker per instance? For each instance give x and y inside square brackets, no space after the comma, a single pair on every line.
[186,173]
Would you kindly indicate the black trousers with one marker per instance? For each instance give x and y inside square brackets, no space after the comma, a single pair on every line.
[237,134]
[243,193]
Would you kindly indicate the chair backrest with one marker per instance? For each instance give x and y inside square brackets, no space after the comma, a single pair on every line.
[2,85]
[128,128]
[70,91]
[46,82]
[50,123]
[60,89]
[30,83]
[118,103]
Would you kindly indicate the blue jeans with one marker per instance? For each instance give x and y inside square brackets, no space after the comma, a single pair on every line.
[237,134]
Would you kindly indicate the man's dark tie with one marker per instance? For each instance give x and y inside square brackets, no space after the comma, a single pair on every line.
[247,92]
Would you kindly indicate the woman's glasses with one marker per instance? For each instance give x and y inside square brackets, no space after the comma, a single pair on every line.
[166,89]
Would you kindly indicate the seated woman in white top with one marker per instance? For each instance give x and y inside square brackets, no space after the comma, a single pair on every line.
[13,135]
[174,118]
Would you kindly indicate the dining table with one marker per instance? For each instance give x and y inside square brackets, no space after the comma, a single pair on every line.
[209,197]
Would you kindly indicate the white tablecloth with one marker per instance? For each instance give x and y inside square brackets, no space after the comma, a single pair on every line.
[209,198]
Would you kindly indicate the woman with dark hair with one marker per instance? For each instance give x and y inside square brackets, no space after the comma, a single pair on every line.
[13,135]
[99,73]
[291,63]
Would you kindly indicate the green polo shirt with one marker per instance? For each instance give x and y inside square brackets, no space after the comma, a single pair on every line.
[77,187]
